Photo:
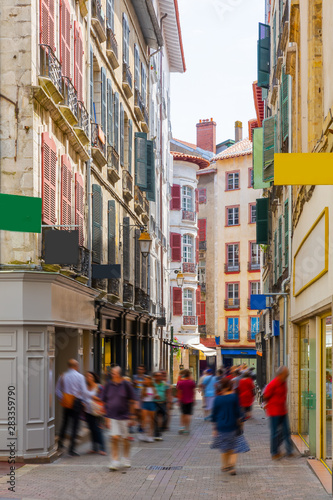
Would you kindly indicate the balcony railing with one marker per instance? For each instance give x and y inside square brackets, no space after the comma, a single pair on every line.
[232,267]
[50,69]
[189,320]
[69,104]
[188,215]
[139,107]
[138,200]
[127,185]
[82,126]
[231,303]
[114,286]
[251,336]
[112,48]
[253,266]
[202,286]
[128,294]
[141,299]
[127,80]
[98,19]
[189,267]
[202,246]
[113,164]
[145,121]
[146,205]
[231,335]
[98,143]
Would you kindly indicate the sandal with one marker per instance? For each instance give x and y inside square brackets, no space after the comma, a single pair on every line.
[226,468]
[232,472]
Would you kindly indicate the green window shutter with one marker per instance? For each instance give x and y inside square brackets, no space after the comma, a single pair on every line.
[269,140]
[280,261]
[285,106]
[122,134]
[257,159]
[126,249]
[141,160]
[92,117]
[130,145]
[264,54]
[111,232]
[151,196]
[275,258]
[109,112]
[103,99]
[137,259]
[116,122]
[97,229]
[262,229]
[286,234]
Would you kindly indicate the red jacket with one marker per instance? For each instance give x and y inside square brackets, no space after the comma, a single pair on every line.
[275,396]
[246,392]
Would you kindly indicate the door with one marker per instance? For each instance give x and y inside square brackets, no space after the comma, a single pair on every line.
[326,410]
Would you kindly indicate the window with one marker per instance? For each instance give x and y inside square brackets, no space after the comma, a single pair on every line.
[254,287]
[187,198]
[136,67]
[233,328]
[254,256]
[202,195]
[79,207]
[143,84]
[254,327]
[233,293]
[233,257]
[188,253]
[251,177]
[232,181]
[188,302]
[252,214]
[232,216]
[126,32]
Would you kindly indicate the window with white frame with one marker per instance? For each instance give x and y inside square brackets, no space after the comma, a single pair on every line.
[233,293]
[255,254]
[253,214]
[255,288]
[233,256]
[187,247]
[232,216]
[232,181]
[187,198]
[188,302]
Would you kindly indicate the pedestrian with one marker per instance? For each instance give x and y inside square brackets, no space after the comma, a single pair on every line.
[246,393]
[201,388]
[161,410]
[120,404]
[94,412]
[148,395]
[138,383]
[168,399]
[71,390]
[227,426]
[275,397]
[208,385]
[186,387]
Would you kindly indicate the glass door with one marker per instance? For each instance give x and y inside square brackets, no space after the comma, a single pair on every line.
[326,413]
[304,382]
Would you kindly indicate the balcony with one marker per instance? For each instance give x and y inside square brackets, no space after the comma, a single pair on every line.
[127,186]
[203,331]
[138,200]
[189,267]
[141,301]
[274,88]
[127,80]
[128,294]
[279,60]
[113,164]
[188,215]
[203,286]
[98,145]
[98,19]
[189,320]
[231,304]
[251,336]
[145,121]
[231,336]
[50,73]
[68,106]
[112,48]
[232,267]
[81,128]
[139,107]
[145,214]
[114,288]
[202,246]
[253,266]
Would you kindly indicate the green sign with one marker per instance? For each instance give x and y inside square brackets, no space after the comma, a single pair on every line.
[20,213]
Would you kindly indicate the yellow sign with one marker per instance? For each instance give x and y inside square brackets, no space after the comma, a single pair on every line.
[303,169]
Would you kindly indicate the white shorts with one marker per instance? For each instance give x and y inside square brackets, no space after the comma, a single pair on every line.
[118,428]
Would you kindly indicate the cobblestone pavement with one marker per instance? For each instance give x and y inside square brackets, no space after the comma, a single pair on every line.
[180,467]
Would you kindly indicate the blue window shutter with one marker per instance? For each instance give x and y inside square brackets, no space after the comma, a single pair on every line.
[130,145]
[110,14]
[116,122]
[122,138]
[92,85]
[109,113]
[136,67]
[103,99]
[111,232]
[150,171]
[97,231]
[141,160]
[264,55]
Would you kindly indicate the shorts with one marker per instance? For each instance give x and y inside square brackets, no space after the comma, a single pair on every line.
[209,402]
[118,428]
[149,405]
[187,408]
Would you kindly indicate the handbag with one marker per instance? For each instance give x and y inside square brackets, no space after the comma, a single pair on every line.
[67,400]
[97,408]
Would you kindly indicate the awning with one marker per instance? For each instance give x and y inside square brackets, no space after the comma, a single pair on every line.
[205,350]
[238,352]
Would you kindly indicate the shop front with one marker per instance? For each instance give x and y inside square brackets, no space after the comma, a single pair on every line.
[233,357]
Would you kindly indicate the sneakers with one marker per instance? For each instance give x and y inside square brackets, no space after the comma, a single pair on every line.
[158,438]
[149,439]
[115,465]
[126,462]
[181,430]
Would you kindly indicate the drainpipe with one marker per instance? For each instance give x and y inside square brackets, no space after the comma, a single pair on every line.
[88,163]
[285,318]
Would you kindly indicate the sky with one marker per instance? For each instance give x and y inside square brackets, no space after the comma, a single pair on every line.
[220,46]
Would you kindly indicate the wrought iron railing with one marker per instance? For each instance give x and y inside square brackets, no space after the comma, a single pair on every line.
[141,299]
[114,286]
[97,12]
[128,292]
[203,287]
[146,205]
[189,267]
[231,303]
[203,246]
[127,75]
[145,115]
[138,101]
[111,42]
[232,267]
[138,197]
[231,335]
[127,181]
[50,67]
[189,320]
[82,118]
[70,95]
[253,266]
[97,136]
[188,215]
[113,158]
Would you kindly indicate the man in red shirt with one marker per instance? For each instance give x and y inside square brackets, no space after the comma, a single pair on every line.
[186,388]
[275,395]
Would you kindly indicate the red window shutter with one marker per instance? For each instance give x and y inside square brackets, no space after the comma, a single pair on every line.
[202,195]
[197,201]
[47,19]
[198,302]
[79,206]
[49,179]
[78,58]
[175,203]
[176,247]
[66,191]
[202,317]
[177,301]
[202,224]
[197,250]
[65,38]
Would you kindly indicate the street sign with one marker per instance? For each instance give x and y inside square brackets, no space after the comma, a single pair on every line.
[106,271]
[61,247]
[258,301]
[20,213]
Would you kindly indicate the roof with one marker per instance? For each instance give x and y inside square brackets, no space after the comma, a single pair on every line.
[189,144]
[208,342]
[241,148]
[173,35]
[201,162]
[193,148]
[151,31]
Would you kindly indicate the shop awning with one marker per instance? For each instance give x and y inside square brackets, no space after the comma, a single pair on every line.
[205,350]
[238,352]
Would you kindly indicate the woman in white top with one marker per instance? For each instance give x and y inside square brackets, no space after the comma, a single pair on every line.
[148,396]
[92,414]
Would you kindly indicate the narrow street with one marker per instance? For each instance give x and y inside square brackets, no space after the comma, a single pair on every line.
[179,467]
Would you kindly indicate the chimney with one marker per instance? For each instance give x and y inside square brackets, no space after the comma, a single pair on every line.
[206,135]
[238,131]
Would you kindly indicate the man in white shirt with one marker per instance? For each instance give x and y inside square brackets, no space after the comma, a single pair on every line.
[71,382]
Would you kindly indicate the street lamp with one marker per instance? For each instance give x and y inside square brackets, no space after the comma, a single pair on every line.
[145,243]
[180,279]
